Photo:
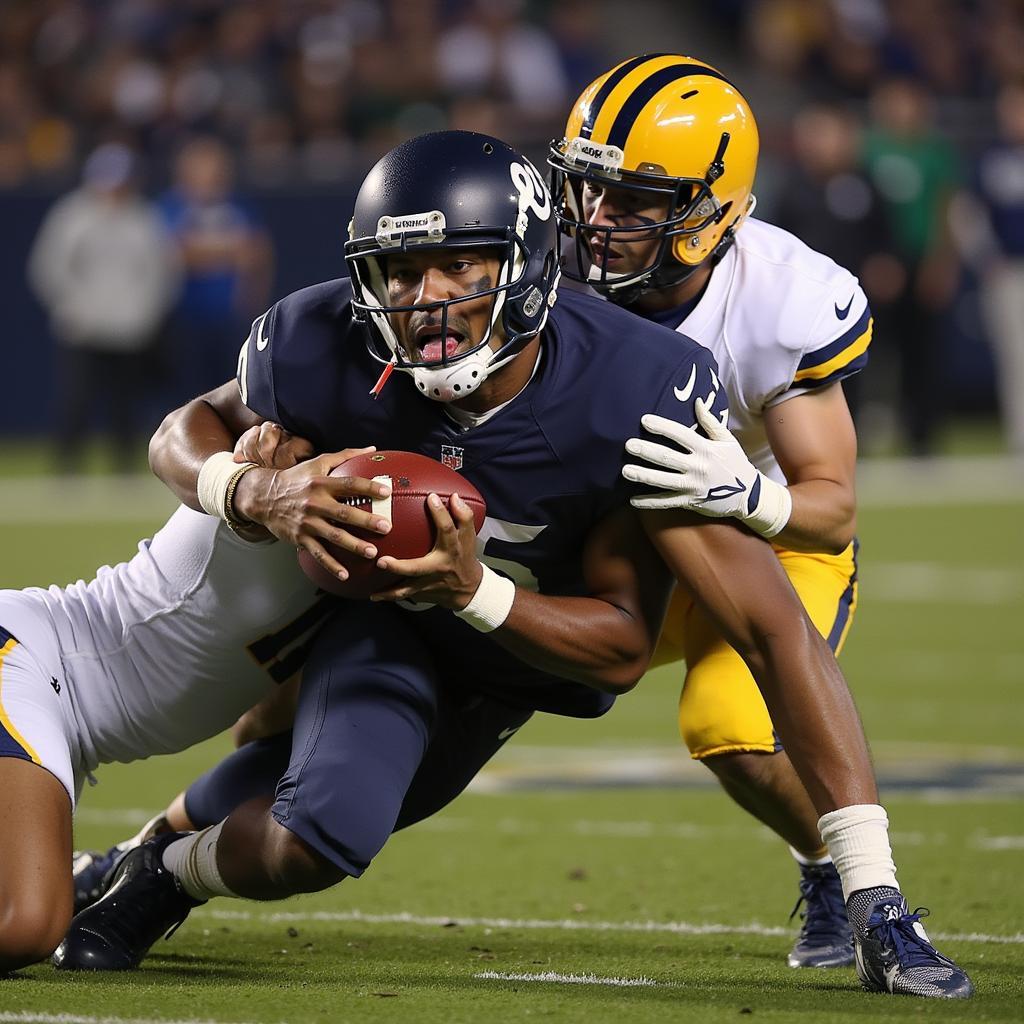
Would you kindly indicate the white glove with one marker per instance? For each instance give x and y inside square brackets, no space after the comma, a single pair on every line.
[715,479]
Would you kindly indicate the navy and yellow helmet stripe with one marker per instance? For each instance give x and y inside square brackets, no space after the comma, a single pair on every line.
[657,74]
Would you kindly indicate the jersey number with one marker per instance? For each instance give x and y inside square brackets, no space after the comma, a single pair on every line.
[283,653]
[510,533]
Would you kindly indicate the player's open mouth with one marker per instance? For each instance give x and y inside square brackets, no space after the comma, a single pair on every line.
[432,348]
[603,253]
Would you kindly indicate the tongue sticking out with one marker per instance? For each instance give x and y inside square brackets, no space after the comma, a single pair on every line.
[435,349]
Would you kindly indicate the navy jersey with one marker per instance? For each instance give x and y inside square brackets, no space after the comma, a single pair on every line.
[548,463]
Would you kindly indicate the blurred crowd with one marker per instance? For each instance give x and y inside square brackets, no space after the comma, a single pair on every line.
[302,90]
[892,134]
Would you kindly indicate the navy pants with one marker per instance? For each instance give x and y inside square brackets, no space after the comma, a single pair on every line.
[382,739]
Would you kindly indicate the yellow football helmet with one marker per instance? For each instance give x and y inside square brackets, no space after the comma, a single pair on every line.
[676,129]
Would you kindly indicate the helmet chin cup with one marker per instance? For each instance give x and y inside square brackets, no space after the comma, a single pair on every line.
[450,383]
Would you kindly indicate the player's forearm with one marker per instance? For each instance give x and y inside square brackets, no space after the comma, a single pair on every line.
[185,439]
[824,517]
[584,639]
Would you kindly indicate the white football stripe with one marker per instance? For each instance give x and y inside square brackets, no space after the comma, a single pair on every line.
[539,924]
[382,506]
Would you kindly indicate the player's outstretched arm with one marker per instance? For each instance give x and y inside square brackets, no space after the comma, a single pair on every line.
[737,580]
[813,438]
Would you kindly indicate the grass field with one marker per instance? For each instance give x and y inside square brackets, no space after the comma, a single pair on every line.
[593,873]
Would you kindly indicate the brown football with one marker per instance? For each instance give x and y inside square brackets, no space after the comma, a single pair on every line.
[412,478]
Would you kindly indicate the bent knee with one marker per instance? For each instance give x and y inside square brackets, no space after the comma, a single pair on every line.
[30,930]
[298,867]
[742,767]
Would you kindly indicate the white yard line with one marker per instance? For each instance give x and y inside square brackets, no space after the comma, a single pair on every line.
[34,1017]
[539,924]
[576,979]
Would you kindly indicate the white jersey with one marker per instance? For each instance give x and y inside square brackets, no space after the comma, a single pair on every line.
[158,653]
[781,319]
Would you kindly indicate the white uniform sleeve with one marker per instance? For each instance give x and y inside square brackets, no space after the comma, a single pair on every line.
[837,343]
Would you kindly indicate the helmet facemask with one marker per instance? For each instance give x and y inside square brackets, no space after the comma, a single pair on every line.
[690,207]
[452,374]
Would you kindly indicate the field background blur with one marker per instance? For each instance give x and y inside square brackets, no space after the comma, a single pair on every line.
[586,847]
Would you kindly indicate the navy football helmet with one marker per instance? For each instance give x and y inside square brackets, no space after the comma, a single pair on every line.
[454,190]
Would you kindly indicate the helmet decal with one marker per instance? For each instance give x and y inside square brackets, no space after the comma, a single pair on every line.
[533,193]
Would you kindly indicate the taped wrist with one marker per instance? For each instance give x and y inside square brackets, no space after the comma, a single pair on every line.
[769,507]
[491,603]
[216,485]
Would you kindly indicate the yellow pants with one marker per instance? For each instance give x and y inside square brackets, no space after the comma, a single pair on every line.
[720,708]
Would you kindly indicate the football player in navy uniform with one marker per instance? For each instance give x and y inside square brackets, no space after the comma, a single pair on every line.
[555,606]
[652,183]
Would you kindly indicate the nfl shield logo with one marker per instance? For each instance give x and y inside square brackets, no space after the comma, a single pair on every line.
[451,456]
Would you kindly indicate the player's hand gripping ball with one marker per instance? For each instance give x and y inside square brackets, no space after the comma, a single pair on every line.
[412,478]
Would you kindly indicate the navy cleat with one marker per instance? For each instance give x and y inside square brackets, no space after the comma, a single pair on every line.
[143,902]
[893,951]
[91,870]
[825,939]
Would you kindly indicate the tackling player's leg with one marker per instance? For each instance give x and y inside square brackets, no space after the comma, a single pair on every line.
[35,809]
[252,770]
[377,745]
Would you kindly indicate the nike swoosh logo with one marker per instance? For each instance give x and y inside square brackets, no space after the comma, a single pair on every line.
[845,311]
[263,340]
[722,491]
[684,395]
[505,733]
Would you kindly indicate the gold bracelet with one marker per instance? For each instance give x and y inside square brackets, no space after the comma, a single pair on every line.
[235,523]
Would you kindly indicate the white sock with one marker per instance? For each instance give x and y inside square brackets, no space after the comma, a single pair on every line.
[193,861]
[858,839]
[809,862]
[155,825]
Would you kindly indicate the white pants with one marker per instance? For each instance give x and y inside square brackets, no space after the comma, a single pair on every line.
[1002,296]
[34,723]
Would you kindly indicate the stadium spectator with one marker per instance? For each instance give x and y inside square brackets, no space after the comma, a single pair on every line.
[915,170]
[227,260]
[999,186]
[493,51]
[830,203]
[105,270]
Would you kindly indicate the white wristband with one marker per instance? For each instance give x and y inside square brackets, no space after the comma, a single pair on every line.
[774,507]
[215,478]
[491,603]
